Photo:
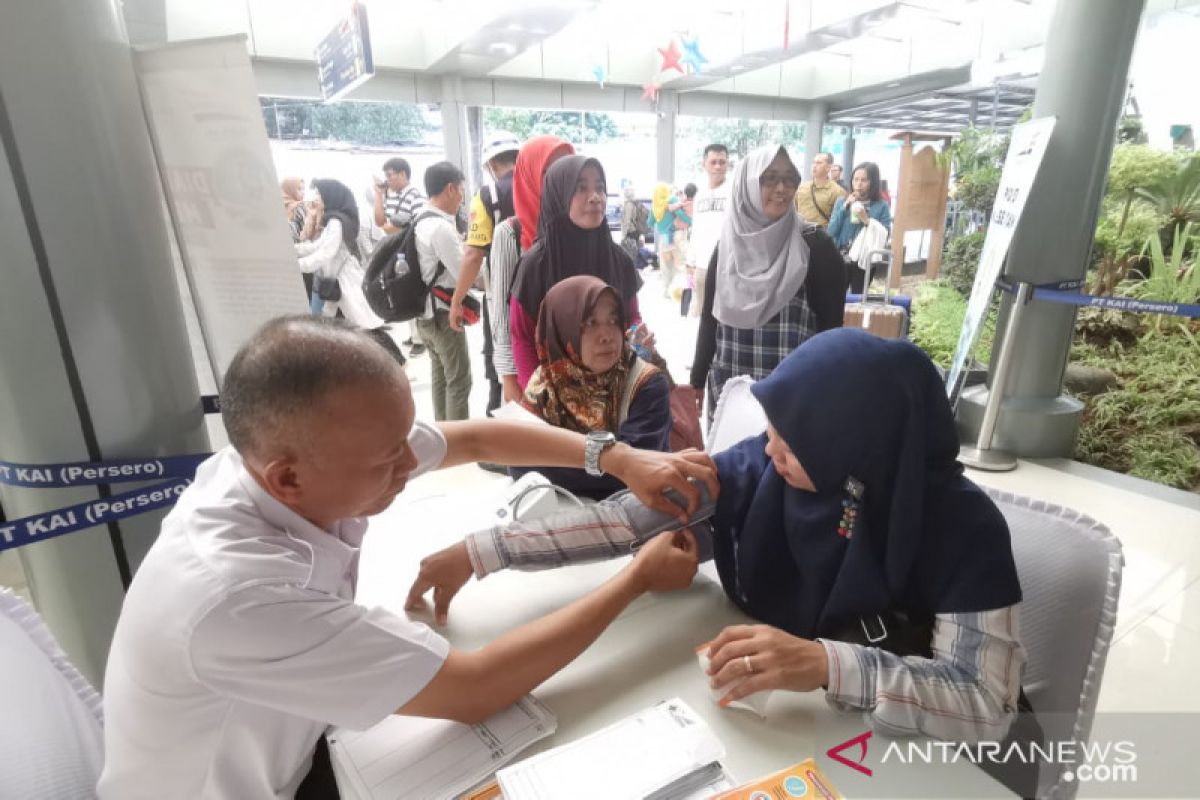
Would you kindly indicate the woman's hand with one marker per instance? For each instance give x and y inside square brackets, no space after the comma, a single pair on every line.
[445,572]
[772,659]
[511,389]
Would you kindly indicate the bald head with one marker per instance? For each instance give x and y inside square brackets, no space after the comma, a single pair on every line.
[281,376]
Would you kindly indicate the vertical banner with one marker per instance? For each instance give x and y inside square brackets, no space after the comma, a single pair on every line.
[1025,152]
[202,109]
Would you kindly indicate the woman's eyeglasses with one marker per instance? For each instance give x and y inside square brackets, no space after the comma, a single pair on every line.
[789,180]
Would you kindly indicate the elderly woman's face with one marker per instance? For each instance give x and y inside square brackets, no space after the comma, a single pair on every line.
[778,183]
[590,199]
[601,343]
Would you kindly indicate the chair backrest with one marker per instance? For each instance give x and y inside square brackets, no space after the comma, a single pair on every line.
[1070,571]
[738,415]
[51,740]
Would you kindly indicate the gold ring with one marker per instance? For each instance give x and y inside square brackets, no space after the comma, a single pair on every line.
[749,666]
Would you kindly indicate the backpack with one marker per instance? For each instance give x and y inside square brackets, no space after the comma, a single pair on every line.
[398,298]
[498,200]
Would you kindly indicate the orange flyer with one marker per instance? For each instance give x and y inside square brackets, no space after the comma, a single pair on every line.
[801,780]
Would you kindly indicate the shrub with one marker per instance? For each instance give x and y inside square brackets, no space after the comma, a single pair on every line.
[961,261]
[938,311]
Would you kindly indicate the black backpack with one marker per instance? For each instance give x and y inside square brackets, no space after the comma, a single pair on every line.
[398,298]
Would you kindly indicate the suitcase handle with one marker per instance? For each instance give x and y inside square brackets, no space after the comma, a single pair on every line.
[869,273]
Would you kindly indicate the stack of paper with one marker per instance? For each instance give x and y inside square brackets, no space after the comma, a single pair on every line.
[664,752]
[432,759]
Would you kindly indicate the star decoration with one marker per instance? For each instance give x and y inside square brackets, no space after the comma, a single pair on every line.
[650,91]
[670,55]
[600,74]
[692,56]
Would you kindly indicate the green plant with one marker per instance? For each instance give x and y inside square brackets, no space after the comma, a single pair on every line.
[574,126]
[938,311]
[960,261]
[1177,196]
[1171,279]
[1150,425]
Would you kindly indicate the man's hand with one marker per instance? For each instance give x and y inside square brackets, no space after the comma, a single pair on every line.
[667,562]
[762,657]
[445,572]
[456,313]
[649,473]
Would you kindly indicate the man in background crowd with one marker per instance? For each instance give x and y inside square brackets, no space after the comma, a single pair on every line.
[490,206]
[708,213]
[397,200]
[440,250]
[835,175]
[816,196]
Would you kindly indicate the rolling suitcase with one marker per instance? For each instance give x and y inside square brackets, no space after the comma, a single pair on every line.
[887,320]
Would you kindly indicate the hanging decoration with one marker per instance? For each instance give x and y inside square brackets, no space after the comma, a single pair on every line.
[787,23]
[671,55]
[692,56]
[650,91]
[600,73]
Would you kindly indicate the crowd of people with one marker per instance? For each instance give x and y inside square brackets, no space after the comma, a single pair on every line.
[880,574]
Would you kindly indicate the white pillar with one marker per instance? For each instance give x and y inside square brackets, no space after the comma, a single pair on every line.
[94,355]
[668,110]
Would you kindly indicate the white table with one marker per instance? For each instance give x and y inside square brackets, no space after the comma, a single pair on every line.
[645,656]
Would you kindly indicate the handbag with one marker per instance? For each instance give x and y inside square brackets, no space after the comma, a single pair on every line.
[328,289]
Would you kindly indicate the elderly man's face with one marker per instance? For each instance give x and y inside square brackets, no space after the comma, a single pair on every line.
[359,458]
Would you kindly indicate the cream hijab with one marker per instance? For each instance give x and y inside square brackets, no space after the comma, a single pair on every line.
[761,264]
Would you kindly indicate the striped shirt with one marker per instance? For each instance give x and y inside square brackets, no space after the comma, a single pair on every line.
[400,207]
[502,270]
[966,692]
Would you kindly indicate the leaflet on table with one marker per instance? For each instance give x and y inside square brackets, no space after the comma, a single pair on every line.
[800,780]
[516,412]
[634,758]
[429,758]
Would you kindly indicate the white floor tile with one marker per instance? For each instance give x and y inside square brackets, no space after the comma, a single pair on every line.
[1153,668]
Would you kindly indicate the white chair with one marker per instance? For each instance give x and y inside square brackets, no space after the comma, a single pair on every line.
[738,415]
[1070,569]
[52,741]
[1069,566]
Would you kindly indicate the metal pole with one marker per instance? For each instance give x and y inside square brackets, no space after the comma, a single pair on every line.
[982,456]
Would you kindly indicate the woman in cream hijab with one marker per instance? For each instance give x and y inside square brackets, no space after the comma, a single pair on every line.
[774,280]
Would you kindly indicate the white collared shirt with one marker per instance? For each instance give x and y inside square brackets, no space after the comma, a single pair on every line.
[239,643]
[438,241]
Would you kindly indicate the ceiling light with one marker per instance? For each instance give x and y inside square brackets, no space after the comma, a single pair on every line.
[502,48]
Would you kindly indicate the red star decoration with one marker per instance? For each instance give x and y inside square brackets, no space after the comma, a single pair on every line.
[671,55]
[650,91]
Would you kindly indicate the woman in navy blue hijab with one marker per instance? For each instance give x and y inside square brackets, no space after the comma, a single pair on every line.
[850,522]
[880,573]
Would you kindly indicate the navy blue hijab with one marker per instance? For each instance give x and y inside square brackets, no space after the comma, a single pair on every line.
[925,541]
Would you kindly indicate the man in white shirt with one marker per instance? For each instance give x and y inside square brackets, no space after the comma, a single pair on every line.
[440,250]
[708,214]
[396,201]
[239,640]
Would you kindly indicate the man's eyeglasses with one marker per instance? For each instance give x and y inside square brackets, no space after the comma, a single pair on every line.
[789,180]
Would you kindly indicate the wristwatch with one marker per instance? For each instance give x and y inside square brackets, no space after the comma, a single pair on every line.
[597,443]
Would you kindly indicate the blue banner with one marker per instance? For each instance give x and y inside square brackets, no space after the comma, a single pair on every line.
[176,470]
[90,473]
[1066,293]
[39,527]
